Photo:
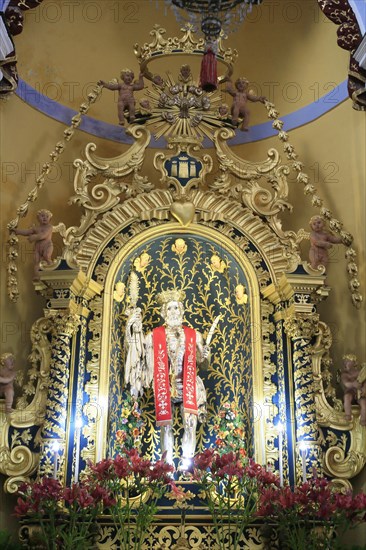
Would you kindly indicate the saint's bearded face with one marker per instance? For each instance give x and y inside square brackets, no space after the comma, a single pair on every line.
[174,314]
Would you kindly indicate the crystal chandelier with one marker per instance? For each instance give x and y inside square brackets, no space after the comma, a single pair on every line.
[215,15]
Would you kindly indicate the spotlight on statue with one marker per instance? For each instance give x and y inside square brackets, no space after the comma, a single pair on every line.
[185,464]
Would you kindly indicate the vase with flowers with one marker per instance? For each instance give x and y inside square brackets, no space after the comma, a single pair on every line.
[309,516]
[134,485]
[230,480]
[126,487]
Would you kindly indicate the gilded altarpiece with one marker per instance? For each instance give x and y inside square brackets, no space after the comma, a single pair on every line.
[217,236]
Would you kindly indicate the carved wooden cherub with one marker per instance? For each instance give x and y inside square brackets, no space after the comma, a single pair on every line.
[353,380]
[7,376]
[41,235]
[241,97]
[320,242]
[126,89]
[223,111]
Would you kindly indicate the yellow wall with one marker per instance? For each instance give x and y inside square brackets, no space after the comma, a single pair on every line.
[287,47]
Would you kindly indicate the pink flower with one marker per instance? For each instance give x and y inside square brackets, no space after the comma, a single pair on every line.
[161,471]
[359,502]
[264,476]
[23,507]
[223,460]
[85,499]
[102,469]
[122,467]
[139,466]
[203,460]
[267,501]
[102,495]
[231,470]
[253,469]
[70,494]
[79,495]
[39,496]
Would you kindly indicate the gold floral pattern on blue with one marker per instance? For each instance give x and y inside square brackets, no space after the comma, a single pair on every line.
[210,277]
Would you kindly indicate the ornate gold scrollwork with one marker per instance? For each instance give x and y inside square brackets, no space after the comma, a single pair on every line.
[344,465]
[342,460]
[302,325]
[161,47]
[17,460]
[97,198]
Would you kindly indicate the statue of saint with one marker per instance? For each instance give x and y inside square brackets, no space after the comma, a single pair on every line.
[168,358]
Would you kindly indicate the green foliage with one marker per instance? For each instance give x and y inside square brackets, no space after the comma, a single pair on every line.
[6,542]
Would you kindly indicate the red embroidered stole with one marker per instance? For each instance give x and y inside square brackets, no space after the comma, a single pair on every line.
[163,407]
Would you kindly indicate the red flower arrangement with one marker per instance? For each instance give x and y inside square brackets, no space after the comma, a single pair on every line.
[236,488]
[127,487]
[312,513]
[64,514]
[232,484]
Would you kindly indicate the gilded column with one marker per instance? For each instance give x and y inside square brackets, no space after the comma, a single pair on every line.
[302,327]
[76,411]
[65,324]
[284,422]
[279,295]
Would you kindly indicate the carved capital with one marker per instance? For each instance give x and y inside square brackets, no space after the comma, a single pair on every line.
[64,322]
[302,325]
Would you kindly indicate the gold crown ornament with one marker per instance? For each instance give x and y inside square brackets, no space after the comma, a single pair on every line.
[172,295]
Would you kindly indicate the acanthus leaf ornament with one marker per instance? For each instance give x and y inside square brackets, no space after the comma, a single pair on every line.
[302,325]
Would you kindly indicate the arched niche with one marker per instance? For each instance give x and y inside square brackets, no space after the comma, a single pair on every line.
[235,371]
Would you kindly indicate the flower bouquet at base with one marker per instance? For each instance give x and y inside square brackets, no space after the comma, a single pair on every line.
[310,515]
[65,515]
[126,487]
[131,426]
[231,483]
[229,428]
[134,486]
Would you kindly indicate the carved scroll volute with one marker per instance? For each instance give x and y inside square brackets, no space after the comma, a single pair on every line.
[261,186]
[95,197]
[18,460]
[345,465]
